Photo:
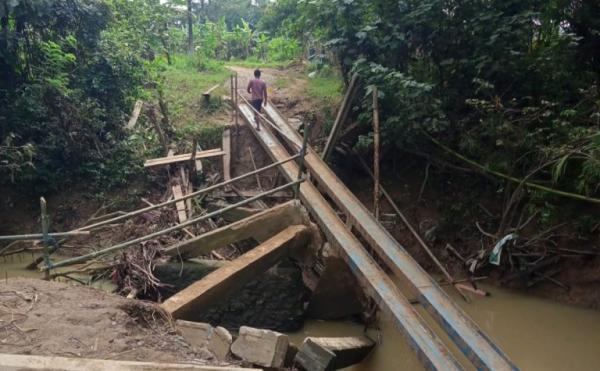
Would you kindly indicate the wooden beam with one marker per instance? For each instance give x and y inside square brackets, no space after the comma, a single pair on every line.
[320,354]
[181,158]
[221,283]
[20,362]
[260,227]
[341,118]
[137,109]
[227,155]
[181,213]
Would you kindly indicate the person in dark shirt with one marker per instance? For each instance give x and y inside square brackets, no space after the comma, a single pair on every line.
[258,89]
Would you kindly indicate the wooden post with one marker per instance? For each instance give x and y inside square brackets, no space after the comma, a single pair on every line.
[376,143]
[254,165]
[193,159]
[341,117]
[237,125]
[45,237]
[232,91]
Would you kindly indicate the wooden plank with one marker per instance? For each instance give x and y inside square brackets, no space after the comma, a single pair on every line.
[260,227]
[137,109]
[181,213]
[227,155]
[429,348]
[19,362]
[184,157]
[462,330]
[218,285]
[320,354]
[341,118]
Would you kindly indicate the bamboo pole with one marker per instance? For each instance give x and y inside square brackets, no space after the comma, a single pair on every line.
[39,236]
[341,117]
[387,196]
[124,245]
[540,187]
[376,143]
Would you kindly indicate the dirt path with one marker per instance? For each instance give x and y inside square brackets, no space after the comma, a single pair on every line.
[287,88]
[51,318]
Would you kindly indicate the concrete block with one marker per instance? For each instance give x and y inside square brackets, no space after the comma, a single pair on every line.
[220,343]
[261,347]
[197,334]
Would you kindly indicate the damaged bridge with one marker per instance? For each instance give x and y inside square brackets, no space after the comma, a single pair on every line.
[326,197]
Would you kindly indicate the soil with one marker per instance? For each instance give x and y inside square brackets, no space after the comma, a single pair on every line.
[51,318]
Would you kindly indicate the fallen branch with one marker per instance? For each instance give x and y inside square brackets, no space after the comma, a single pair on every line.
[539,187]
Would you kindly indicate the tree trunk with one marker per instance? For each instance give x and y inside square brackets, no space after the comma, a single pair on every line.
[190,27]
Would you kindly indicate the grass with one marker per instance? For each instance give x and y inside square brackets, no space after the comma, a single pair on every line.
[184,84]
[281,83]
[327,87]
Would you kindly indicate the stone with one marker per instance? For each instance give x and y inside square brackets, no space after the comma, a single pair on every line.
[220,343]
[197,334]
[261,347]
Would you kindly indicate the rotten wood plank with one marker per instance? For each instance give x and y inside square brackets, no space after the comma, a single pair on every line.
[184,157]
[181,213]
[220,284]
[260,227]
[227,155]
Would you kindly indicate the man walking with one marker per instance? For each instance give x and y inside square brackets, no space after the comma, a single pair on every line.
[258,89]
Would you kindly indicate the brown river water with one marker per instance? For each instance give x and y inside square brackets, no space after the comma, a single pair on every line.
[537,334]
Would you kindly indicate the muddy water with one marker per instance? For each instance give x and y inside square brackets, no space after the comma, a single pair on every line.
[14,266]
[537,334]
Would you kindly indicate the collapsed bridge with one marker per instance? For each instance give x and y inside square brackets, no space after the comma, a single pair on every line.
[324,185]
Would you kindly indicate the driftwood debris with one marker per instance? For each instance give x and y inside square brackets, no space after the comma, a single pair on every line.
[221,283]
[321,354]
[184,157]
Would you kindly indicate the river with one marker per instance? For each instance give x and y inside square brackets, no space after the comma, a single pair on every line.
[537,334]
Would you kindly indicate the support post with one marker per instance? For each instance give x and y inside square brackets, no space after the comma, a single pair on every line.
[301,159]
[233,102]
[193,159]
[237,124]
[376,144]
[45,238]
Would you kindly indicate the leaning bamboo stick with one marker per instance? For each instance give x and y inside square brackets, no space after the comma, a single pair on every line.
[412,230]
[540,187]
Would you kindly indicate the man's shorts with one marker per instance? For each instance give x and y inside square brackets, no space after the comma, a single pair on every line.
[257,104]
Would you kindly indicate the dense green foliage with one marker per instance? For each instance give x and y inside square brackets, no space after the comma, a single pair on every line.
[71,70]
[511,84]
[65,81]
